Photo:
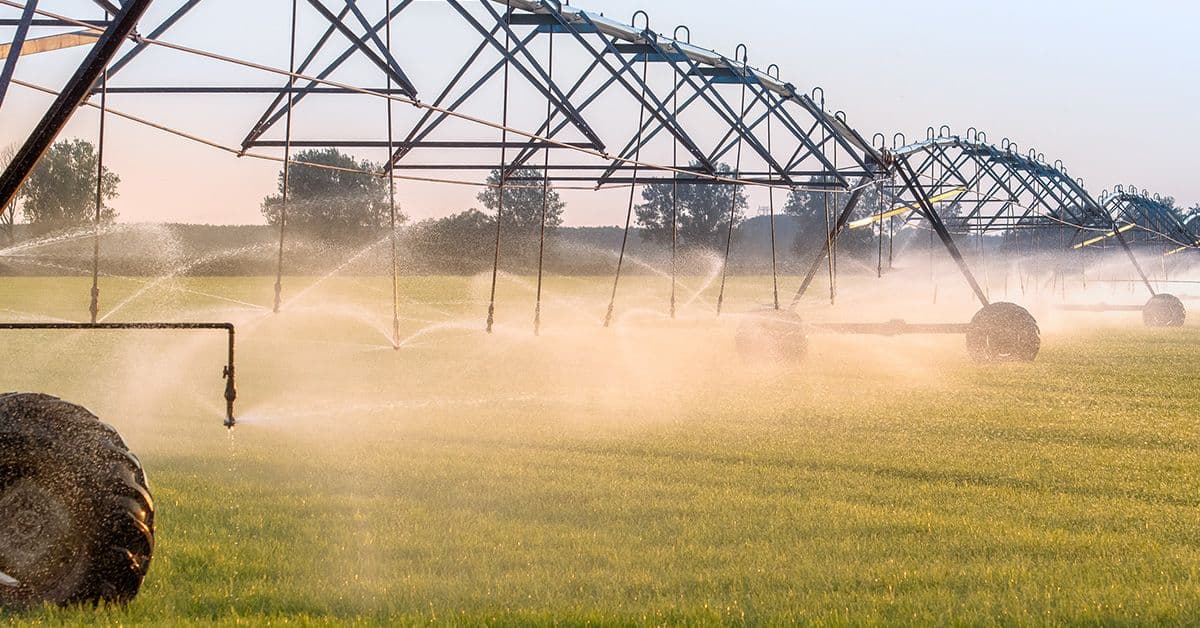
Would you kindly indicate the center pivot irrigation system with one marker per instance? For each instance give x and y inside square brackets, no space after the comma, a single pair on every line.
[618,106]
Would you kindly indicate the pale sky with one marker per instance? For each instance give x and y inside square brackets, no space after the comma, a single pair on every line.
[1108,87]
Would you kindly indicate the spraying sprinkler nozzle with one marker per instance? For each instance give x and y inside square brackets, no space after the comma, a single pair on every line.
[230,396]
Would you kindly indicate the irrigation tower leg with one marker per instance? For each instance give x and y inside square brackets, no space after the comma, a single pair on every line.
[1133,258]
[910,181]
[851,204]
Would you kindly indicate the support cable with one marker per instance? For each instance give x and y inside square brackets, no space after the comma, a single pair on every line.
[537,309]
[503,176]
[674,206]
[612,301]
[833,244]
[94,306]
[287,163]
[733,194]
[392,192]
[879,267]
[771,208]
[829,230]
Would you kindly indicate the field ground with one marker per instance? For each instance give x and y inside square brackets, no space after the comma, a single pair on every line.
[641,474]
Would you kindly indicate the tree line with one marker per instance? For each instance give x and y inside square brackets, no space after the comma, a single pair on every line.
[334,197]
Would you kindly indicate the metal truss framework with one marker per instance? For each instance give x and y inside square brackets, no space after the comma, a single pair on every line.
[994,189]
[788,137]
[694,105]
[1151,220]
[695,109]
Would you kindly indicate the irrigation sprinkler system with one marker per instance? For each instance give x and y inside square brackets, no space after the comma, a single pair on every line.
[1151,224]
[683,111]
[1000,190]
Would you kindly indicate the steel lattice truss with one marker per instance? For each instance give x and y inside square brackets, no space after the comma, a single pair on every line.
[1149,219]
[996,188]
[614,100]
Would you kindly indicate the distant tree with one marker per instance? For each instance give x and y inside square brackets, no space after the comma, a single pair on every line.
[61,191]
[523,201]
[816,212]
[458,243]
[702,210]
[336,198]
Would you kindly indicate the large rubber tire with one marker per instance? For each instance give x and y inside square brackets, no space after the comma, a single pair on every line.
[76,516]
[1164,310]
[1004,332]
[772,335]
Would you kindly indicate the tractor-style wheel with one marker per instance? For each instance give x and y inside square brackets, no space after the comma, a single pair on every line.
[772,335]
[1164,310]
[76,517]
[1004,332]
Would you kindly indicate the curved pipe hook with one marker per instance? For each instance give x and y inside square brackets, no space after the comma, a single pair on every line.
[930,133]
[773,71]
[1005,143]
[981,136]
[645,19]
[686,30]
[899,140]
[879,140]
[1059,165]
[820,100]
[945,131]
[972,134]
[841,115]
[743,52]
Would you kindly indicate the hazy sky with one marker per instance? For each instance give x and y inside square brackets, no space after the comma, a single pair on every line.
[1108,87]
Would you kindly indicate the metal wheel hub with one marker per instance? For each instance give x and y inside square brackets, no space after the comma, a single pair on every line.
[35,534]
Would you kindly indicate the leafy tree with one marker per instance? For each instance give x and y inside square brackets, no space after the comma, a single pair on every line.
[61,191]
[703,210]
[461,242]
[336,198]
[523,201]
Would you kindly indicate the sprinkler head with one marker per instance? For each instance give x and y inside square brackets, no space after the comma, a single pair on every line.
[230,397]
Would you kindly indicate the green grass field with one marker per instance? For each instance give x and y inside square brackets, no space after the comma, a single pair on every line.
[641,474]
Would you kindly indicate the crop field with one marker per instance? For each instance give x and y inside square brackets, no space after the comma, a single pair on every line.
[639,474]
